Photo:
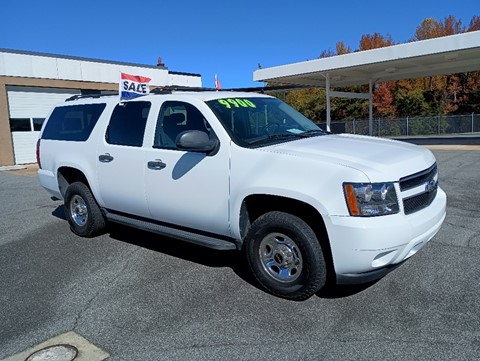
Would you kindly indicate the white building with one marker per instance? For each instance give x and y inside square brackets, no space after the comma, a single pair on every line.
[31,83]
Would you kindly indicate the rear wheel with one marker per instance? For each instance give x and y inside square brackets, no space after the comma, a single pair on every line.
[82,211]
[285,256]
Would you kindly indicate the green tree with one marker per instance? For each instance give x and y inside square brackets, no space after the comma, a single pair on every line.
[411,102]
[310,102]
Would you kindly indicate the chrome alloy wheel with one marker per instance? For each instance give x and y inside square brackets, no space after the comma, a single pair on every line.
[78,210]
[280,257]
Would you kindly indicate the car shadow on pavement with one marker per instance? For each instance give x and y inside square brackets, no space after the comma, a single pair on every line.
[183,250]
[332,291]
[59,212]
[206,256]
[213,258]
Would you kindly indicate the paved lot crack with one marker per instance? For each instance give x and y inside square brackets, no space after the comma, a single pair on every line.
[20,211]
[110,281]
[460,226]
[368,340]
[470,240]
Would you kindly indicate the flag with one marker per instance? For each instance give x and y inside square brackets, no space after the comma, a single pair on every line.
[132,86]
[217,83]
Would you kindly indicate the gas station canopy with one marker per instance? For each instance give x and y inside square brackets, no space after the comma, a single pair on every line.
[445,55]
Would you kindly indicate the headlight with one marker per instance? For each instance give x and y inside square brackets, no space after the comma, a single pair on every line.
[371,199]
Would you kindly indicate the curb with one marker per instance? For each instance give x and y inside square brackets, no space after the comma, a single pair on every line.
[13,167]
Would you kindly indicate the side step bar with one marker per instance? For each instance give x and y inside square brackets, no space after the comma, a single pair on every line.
[200,239]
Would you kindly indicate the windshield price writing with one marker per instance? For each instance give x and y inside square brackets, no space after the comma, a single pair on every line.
[237,103]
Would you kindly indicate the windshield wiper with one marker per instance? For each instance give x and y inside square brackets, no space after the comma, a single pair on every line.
[312,133]
[274,137]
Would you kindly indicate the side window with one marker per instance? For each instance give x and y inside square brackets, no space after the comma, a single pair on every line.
[127,124]
[175,118]
[74,122]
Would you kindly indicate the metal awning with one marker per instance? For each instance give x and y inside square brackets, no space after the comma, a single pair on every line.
[446,55]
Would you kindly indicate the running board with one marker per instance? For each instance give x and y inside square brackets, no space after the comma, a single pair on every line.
[199,239]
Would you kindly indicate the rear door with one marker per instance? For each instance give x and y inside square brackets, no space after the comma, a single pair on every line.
[120,165]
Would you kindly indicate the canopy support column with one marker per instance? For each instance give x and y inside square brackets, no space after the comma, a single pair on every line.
[327,86]
[370,108]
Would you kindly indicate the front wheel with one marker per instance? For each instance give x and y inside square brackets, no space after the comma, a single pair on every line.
[285,256]
[82,211]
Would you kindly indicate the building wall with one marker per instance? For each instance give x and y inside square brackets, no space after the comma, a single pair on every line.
[25,102]
[6,145]
[46,66]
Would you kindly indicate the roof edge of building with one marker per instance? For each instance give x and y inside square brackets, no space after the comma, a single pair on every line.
[93,60]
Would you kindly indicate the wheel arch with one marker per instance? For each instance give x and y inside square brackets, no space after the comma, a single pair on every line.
[68,175]
[253,206]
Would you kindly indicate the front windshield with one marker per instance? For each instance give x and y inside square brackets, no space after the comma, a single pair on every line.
[259,121]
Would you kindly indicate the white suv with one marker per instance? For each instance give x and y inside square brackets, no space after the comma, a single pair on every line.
[236,170]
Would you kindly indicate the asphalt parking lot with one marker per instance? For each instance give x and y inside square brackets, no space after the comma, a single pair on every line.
[138,296]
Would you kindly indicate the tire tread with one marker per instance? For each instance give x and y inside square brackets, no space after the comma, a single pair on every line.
[315,268]
[96,223]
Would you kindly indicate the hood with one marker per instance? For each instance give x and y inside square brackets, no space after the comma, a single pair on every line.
[380,159]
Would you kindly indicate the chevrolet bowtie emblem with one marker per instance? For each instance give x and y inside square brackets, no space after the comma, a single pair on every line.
[430,186]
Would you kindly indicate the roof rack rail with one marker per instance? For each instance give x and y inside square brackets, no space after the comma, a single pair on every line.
[81,96]
[168,89]
[260,89]
[171,88]
[264,89]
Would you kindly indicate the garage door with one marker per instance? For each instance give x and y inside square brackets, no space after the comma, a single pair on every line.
[28,108]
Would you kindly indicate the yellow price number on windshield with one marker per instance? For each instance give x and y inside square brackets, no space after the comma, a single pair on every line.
[236,103]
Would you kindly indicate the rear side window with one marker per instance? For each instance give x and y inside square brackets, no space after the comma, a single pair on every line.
[127,125]
[74,122]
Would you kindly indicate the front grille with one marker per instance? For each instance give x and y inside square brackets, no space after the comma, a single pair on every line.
[418,179]
[426,178]
[415,203]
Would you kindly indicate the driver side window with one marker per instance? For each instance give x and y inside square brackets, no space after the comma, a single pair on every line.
[175,118]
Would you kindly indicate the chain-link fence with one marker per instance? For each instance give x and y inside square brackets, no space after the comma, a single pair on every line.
[435,125]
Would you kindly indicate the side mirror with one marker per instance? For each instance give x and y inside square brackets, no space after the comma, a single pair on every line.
[195,141]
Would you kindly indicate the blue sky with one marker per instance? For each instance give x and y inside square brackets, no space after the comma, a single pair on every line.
[229,38]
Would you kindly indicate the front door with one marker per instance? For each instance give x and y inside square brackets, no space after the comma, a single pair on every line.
[186,188]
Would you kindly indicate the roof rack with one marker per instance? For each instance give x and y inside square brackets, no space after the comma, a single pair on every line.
[171,88]
[168,89]
[81,96]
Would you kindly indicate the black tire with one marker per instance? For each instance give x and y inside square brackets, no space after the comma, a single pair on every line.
[285,256]
[82,211]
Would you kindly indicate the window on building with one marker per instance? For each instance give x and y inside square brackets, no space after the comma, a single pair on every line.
[20,125]
[127,124]
[90,92]
[37,123]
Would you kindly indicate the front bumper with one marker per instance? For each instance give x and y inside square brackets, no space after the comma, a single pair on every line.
[366,248]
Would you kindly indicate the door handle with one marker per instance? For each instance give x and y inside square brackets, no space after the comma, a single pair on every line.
[105,158]
[156,164]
